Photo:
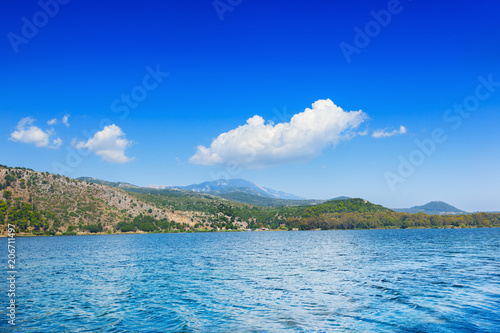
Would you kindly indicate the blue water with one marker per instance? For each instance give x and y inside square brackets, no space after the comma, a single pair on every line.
[374,280]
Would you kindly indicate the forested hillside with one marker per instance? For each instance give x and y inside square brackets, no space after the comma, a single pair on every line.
[334,214]
[390,220]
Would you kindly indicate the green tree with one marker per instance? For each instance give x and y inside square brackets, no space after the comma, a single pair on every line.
[7,195]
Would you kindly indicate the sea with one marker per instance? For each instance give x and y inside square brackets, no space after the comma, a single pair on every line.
[426,280]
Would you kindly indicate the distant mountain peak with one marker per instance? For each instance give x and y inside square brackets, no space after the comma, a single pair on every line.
[221,186]
[433,208]
[439,206]
[159,187]
[340,198]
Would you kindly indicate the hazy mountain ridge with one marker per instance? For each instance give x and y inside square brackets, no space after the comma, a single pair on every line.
[432,208]
[223,186]
[108,183]
[260,200]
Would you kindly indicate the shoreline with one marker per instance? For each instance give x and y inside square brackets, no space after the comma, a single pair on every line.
[223,231]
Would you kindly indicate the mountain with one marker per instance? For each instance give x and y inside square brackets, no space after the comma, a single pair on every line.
[159,187]
[223,186]
[432,208]
[340,198]
[237,190]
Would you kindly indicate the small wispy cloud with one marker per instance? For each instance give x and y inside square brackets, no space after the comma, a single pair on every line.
[65,120]
[26,132]
[382,133]
[364,133]
[55,121]
[110,144]
[57,142]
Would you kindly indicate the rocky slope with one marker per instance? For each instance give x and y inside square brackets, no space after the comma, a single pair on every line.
[71,202]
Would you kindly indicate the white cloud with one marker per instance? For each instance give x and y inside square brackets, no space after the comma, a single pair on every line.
[110,144]
[65,120]
[28,133]
[257,144]
[383,134]
[57,142]
[364,133]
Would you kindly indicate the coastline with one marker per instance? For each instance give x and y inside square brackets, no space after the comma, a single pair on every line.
[225,231]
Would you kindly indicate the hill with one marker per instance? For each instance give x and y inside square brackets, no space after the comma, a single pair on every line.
[432,208]
[40,201]
[340,198]
[333,206]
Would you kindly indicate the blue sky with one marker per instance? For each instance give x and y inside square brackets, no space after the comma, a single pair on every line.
[195,70]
